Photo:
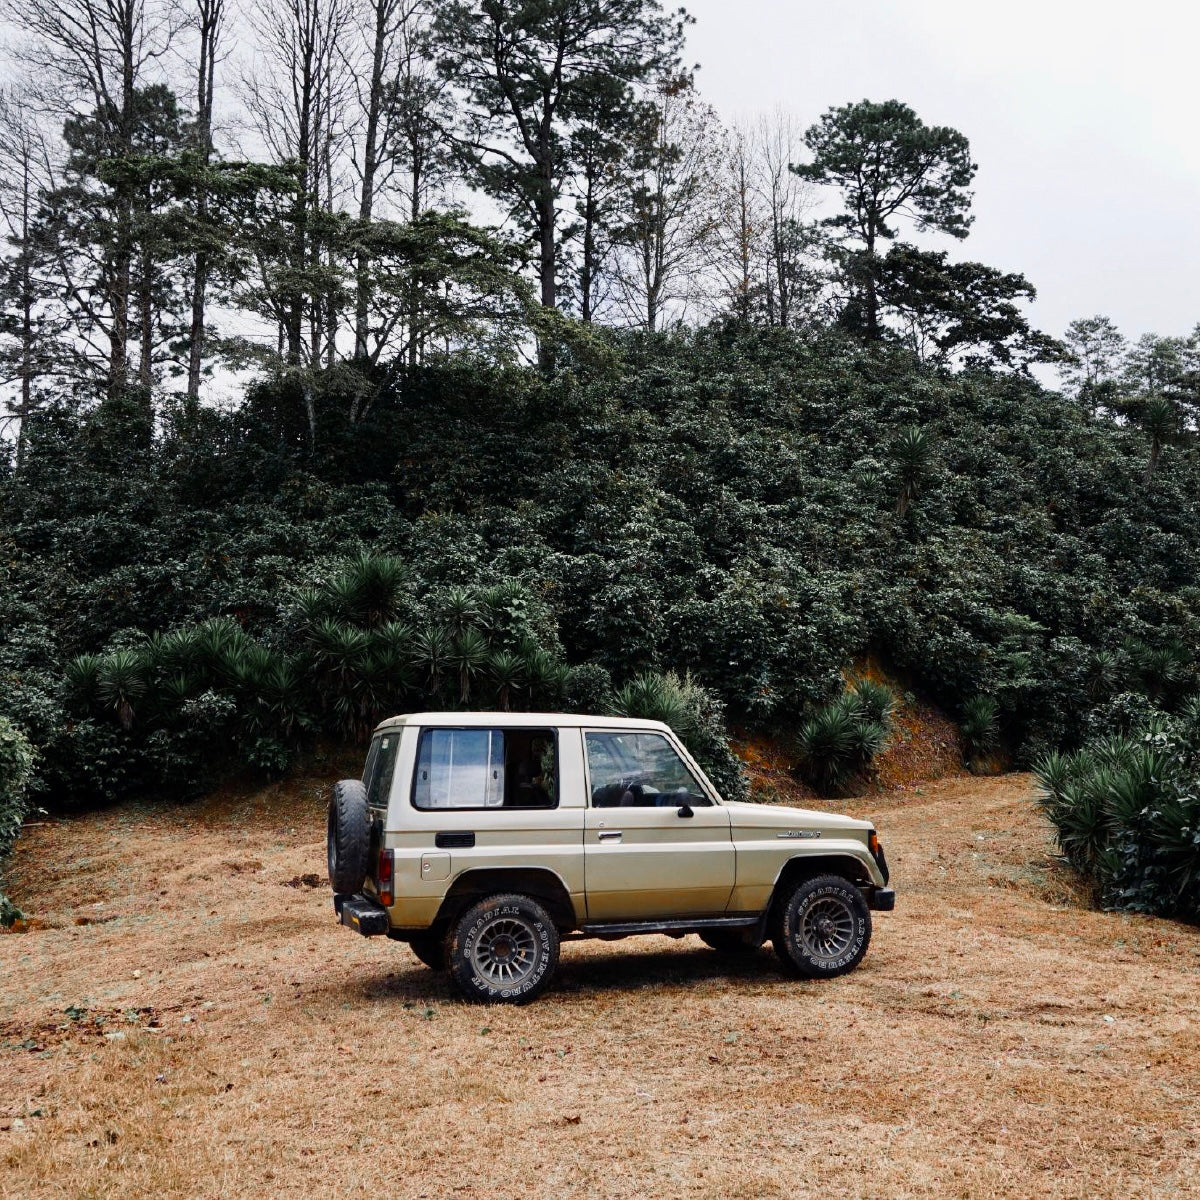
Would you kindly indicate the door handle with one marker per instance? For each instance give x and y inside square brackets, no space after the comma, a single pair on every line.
[611,835]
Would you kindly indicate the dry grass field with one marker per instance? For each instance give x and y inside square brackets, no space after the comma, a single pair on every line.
[179,1020]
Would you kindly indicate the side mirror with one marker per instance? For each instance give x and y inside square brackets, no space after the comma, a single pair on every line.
[685,810]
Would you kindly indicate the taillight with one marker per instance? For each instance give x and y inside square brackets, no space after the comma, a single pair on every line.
[385,878]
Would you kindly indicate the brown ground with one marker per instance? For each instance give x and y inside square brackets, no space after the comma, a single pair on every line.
[188,1024]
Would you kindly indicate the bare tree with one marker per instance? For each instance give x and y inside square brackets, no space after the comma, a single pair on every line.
[207,19]
[29,319]
[399,146]
[738,232]
[599,158]
[295,92]
[665,244]
[786,201]
[91,57]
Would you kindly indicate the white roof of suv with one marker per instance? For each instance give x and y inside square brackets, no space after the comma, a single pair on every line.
[520,720]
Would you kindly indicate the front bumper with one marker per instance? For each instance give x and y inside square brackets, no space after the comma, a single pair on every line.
[362,913]
[882,899]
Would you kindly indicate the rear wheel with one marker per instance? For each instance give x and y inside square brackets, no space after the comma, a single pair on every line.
[823,928]
[728,941]
[503,950]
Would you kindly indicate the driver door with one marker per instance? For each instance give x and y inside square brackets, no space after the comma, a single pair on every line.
[642,858]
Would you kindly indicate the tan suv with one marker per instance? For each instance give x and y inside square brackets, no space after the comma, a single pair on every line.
[483,839]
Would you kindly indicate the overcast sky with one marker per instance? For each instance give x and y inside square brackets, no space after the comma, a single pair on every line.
[1084,119]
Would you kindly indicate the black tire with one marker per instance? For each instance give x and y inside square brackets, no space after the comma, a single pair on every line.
[503,950]
[728,941]
[348,837]
[823,928]
[431,950]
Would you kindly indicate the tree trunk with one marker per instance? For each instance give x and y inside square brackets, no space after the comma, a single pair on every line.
[872,294]
[546,264]
[210,15]
[146,322]
[366,204]
[26,408]
[118,369]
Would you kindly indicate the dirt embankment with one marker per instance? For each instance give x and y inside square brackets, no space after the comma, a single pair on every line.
[187,1021]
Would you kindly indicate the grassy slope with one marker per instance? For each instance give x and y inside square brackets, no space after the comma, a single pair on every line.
[994,1042]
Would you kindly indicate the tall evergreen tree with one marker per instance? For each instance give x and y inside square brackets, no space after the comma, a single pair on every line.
[532,72]
[888,165]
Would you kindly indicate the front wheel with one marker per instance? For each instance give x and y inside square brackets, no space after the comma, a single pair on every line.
[503,950]
[823,928]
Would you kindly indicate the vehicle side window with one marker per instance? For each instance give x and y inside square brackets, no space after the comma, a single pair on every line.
[486,768]
[381,765]
[639,770]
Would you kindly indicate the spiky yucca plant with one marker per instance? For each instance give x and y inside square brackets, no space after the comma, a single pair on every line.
[980,728]
[507,673]
[1106,674]
[912,453]
[875,701]
[655,697]
[840,739]
[120,682]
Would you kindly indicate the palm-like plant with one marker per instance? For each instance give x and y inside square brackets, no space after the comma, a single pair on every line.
[459,610]
[875,701]
[840,739]
[120,681]
[542,669]
[507,673]
[654,697]
[980,727]
[1160,420]
[369,588]
[216,647]
[912,453]
[83,677]
[828,746]
[468,654]
[1159,670]
[312,605]
[1106,674]
[430,654]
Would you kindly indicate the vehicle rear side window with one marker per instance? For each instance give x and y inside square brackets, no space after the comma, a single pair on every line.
[486,768]
[381,765]
[639,770]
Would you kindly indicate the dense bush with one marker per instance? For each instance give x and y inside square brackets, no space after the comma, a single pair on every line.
[748,509]
[16,772]
[196,702]
[1126,809]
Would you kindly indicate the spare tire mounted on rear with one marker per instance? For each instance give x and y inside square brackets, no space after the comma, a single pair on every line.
[348,835]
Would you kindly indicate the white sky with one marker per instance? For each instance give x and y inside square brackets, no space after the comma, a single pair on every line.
[1084,119]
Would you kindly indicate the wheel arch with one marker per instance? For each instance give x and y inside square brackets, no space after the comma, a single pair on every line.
[806,866]
[541,883]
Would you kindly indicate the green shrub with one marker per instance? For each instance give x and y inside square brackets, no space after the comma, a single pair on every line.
[840,739]
[1126,811]
[980,728]
[16,772]
[875,701]
[696,715]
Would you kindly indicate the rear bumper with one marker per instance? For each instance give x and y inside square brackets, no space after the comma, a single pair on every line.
[882,899]
[363,914]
